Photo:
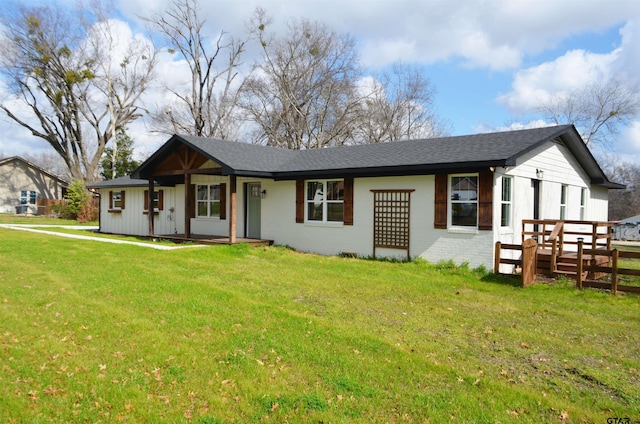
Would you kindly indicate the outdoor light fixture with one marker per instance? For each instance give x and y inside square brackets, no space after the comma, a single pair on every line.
[263,193]
[539,174]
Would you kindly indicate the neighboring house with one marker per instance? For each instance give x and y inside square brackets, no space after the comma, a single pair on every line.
[627,229]
[24,185]
[450,198]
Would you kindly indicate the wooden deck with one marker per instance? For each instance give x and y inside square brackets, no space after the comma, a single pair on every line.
[567,263]
[212,240]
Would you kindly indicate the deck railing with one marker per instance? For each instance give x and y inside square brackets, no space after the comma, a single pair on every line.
[565,235]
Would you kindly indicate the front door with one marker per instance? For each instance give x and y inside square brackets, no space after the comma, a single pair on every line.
[254,197]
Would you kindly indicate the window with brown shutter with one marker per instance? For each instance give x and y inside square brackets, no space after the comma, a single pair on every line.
[326,201]
[116,201]
[158,200]
[440,206]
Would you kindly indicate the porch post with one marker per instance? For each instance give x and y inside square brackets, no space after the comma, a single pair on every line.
[150,209]
[232,209]
[187,205]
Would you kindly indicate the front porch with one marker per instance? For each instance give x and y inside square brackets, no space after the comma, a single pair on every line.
[212,240]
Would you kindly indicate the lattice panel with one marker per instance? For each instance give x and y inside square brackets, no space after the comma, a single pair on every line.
[391,219]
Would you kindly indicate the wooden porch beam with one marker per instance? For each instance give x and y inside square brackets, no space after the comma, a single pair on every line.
[187,205]
[150,205]
[203,171]
[232,209]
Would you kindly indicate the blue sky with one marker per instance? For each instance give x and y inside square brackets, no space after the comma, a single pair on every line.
[491,61]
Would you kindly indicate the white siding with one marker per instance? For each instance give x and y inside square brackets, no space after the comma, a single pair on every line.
[278,221]
[278,224]
[133,221]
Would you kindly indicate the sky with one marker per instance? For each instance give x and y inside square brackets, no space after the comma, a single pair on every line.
[491,61]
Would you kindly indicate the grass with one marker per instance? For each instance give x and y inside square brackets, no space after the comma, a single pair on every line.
[8,218]
[94,332]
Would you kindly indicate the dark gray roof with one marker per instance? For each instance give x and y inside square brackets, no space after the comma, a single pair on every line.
[491,149]
[426,156]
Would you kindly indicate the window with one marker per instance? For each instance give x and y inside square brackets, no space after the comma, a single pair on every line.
[583,203]
[563,201]
[28,197]
[208,200]
[505,210]
[464,200]
[325,201]
[158,200]
[116,201]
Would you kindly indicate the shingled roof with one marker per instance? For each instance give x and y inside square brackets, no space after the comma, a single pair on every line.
[411,157]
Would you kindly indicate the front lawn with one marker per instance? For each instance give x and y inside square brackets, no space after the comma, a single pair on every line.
[9,218]
[95,332]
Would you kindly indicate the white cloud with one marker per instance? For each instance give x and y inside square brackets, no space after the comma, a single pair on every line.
[539,83]
[574,69]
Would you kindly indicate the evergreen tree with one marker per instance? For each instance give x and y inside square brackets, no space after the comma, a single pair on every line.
[118,162]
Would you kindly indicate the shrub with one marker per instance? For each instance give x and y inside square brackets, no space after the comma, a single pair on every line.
[79,204]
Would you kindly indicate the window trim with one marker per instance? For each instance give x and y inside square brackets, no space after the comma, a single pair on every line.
[112,202]
[583,203]
[27,197]
[451,203]
[325,201]
[209,201]
[506,202]
[564,194]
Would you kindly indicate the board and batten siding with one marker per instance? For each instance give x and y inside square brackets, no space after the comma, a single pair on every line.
[559,168]
[133,220]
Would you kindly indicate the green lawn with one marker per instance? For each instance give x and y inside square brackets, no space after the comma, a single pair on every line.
[95,332]
[9,218]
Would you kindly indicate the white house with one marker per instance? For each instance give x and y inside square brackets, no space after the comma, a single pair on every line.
[448,198]
[627,229]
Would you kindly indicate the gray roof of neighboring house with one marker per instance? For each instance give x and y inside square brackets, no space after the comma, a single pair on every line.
[631,220]
[32,165]
[436,155]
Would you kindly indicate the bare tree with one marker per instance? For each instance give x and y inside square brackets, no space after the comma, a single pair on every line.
[49,161]
[398,105]
[624,203]
[208,106]
[598,111]
[303,94]
[55,62]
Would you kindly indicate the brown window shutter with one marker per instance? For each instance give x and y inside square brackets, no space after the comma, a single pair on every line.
[440,205]
[122,199]
[223,201]
[146,200]
[299,201]
[348,201]
[485,200]
[160,200]
[191,203]
[111,200]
